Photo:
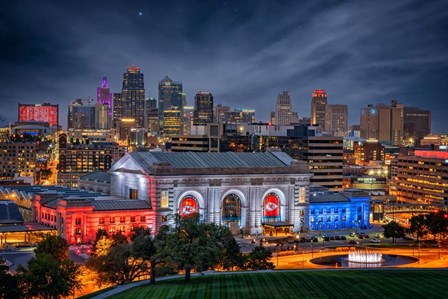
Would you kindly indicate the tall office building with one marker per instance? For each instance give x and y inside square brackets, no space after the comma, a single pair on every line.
[383,122]
[17,158]
[170,97]
[422,178]
[39,112]
[103,95]
[133,96]
[203,108]
[336,119]
[318,107]
[81,114]
[172,122]
[416,124]
[284,115]
[117,108]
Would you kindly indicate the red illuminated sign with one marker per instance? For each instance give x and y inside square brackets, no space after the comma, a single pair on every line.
[319,93]
[188,206]
[271,206]
[432,154]
[45,113]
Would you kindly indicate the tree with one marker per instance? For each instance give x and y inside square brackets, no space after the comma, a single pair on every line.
[49,278]
[8,284]
[259,259]
[121,262]
[119,238]
[102,243]
[192,246]
[437,224]
[418,226]
[50,274]
[55,246]
[394,230]
[230,256]
[157,250]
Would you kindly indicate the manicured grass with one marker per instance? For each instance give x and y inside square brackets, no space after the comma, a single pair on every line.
[305,284]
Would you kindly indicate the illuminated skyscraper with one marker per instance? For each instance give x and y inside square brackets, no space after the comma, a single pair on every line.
[170,97]
[117,110]
[172,122]
[103,95]
[283,110]
[133,96]
[318,107]
[203,108]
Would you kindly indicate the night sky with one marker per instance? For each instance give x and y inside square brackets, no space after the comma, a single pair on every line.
[244,52]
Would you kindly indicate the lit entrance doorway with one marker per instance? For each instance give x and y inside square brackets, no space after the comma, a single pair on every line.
[231,212]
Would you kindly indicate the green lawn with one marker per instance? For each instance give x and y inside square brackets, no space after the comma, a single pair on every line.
[306,284]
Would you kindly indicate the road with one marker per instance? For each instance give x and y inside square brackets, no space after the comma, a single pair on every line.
[17,257]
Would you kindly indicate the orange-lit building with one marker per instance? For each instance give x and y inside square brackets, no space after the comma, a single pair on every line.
[422,177]
[371,150]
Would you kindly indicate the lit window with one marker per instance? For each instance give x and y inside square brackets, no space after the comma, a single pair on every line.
[133,194]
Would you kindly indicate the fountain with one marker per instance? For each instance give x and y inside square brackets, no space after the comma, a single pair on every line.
[365,257]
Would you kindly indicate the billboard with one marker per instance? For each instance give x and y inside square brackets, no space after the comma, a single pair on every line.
[271,206]
[188,206]
[36,112]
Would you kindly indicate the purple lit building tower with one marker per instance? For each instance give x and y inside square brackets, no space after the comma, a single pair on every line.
[104,97]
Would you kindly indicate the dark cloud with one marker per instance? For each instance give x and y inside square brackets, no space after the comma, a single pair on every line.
[245,52]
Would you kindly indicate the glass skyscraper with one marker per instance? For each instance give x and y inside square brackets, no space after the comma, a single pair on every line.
[203,108]
[170,97]
[133,96]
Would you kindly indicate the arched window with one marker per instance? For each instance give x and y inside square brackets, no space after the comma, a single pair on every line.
[271,208]
[231,209]
[188,206]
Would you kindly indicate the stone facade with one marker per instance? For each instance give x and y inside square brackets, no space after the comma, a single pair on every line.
[166,187]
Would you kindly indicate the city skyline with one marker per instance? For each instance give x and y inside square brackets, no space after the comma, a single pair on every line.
[360,53]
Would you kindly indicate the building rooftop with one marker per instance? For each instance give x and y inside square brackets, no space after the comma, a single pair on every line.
[122,204]
[99,176]
[327,196]
[9,213]
[212,160]
[99,204]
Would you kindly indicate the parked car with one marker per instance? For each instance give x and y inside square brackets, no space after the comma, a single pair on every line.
[377,236]
[315,239]
[375,240]
[337,237]
[303,240]
[327,239]
[343,238]
[360,236]
[332,238]
[352,242]
[366,236]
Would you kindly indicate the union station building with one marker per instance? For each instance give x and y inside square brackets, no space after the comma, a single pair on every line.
[252,193]
[241,190]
